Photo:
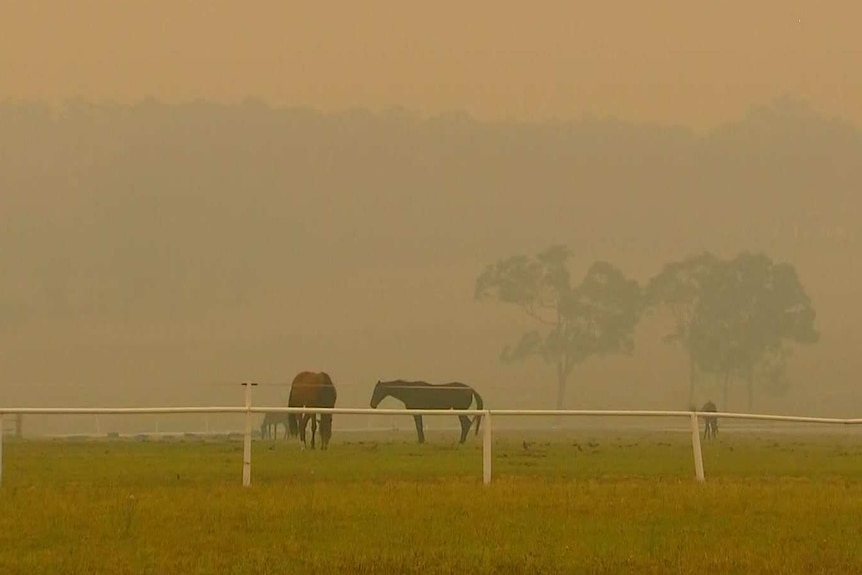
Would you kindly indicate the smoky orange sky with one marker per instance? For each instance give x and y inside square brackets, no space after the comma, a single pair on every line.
[681,61]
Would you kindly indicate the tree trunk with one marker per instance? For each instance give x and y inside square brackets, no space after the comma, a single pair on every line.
[750,377]
[561,391]
[561,385]
[691,380]
[726,391]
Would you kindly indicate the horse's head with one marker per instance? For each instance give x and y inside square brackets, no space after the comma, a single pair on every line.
[379,393]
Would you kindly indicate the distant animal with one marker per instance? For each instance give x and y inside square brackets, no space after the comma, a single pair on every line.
[271,421]
[423,395]
[310,389]
[711,422]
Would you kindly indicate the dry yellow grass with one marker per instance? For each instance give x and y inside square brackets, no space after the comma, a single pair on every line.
[579,504]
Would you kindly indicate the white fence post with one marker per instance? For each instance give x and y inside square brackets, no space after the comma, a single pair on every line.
[246,448]
[695,445]
[1,449]
[486,449]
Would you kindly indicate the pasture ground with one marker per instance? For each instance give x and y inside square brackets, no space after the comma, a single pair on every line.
[564,502]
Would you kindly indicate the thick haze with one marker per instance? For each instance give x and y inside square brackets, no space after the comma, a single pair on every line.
[190,198]
[671,61]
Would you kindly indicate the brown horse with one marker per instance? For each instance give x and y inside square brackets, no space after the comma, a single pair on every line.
[311,389]
[424,395]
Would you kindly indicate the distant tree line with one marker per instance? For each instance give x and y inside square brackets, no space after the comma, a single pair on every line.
[737,319]
[132,213]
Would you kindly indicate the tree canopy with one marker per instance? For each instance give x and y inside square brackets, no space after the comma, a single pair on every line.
[596,317]
[735,317]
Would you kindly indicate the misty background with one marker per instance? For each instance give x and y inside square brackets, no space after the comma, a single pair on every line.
[198,194]
[160,254]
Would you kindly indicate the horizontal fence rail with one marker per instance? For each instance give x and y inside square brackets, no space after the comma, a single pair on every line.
[371,411]
[487,417]
[227,409]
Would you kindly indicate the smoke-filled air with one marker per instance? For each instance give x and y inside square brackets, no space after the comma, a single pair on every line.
[631,207]
[458,286]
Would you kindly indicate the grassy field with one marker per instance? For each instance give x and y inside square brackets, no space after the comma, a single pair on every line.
[571,502]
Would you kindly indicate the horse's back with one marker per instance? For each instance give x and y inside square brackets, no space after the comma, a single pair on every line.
[452,385]
[274,417]
[308,379]
[424,395]
[312,389]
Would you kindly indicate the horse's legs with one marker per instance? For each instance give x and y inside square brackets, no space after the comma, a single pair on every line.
[465,427]
[419,431]
[325,431]
[711,429]
[301,425]
[303,421]
[313,428]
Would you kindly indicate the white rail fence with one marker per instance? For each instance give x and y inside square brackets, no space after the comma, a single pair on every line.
[488,415]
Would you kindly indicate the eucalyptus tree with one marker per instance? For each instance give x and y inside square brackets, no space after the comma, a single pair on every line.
[679,288]
[573,322]
[737,319]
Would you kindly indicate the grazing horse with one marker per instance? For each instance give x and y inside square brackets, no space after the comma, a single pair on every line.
[271,421]
[711,421]
[311,390]
[423,395]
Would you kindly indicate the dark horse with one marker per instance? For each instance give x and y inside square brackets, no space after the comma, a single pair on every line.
[711,421]
[271,421]
[311,390]
[422,395]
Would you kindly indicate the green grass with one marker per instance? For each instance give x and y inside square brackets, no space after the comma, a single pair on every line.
[569,503]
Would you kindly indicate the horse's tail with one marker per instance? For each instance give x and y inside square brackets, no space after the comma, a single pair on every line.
[479,405]
[292,425]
